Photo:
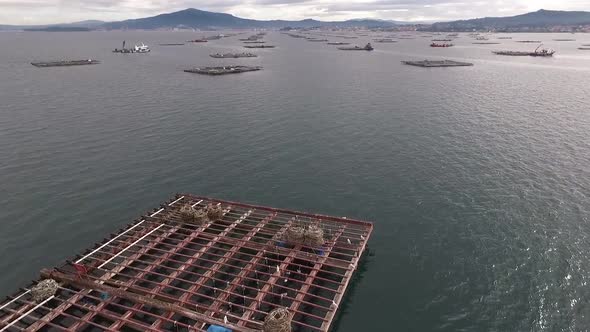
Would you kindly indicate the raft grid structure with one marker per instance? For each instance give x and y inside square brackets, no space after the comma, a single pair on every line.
[161,273]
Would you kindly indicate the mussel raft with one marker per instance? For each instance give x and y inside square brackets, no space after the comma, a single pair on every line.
[222,70]
[65,63]
[233,55]
[437,63]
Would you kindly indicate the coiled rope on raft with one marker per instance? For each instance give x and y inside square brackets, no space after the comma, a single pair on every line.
[278,320]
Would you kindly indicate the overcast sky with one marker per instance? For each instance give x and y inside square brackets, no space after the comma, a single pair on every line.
[60,11]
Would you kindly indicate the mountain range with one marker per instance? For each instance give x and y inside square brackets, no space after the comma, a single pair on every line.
[539,20]
[198,19]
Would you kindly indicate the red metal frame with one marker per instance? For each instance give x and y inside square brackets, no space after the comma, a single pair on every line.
[226,268]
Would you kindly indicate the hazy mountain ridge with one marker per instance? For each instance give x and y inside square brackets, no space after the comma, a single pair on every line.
[542,20]
[539,20]
[194,18]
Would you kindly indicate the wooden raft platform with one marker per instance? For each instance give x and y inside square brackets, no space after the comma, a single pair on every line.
[162,274]
[437,63]
[65,63]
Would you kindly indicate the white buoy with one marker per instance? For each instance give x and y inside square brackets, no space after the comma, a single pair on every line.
[348,240]
[225,319]
[278,269]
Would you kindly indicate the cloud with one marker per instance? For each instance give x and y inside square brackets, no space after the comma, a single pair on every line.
[55,11]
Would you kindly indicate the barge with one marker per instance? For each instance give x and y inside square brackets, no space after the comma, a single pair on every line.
[237,267]
[224,70]
[65,63]
[437,63]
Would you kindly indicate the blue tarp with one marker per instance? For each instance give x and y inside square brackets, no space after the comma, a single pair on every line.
[217,328]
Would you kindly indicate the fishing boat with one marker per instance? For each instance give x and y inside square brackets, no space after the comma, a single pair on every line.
[441,45]
[367,47]
[136,49]
[143,48]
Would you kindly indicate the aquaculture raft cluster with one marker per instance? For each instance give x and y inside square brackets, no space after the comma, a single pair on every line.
[233,270]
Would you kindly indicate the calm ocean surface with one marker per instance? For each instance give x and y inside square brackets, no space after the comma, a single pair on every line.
[477,178]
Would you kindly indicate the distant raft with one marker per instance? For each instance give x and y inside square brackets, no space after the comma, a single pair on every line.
[233,55]
[259,46]
[215,71]
[437,63]
[367,47]
[65,63]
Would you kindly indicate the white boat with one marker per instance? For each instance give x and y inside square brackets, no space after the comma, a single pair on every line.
[143,48]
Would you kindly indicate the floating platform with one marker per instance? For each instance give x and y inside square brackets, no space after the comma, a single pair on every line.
[259,46]
[233,55]
[437,63]
[226,70]
[367,47]
[519,53]
[162,273]
[65,63]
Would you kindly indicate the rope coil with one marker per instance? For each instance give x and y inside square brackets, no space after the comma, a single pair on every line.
[278,320]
